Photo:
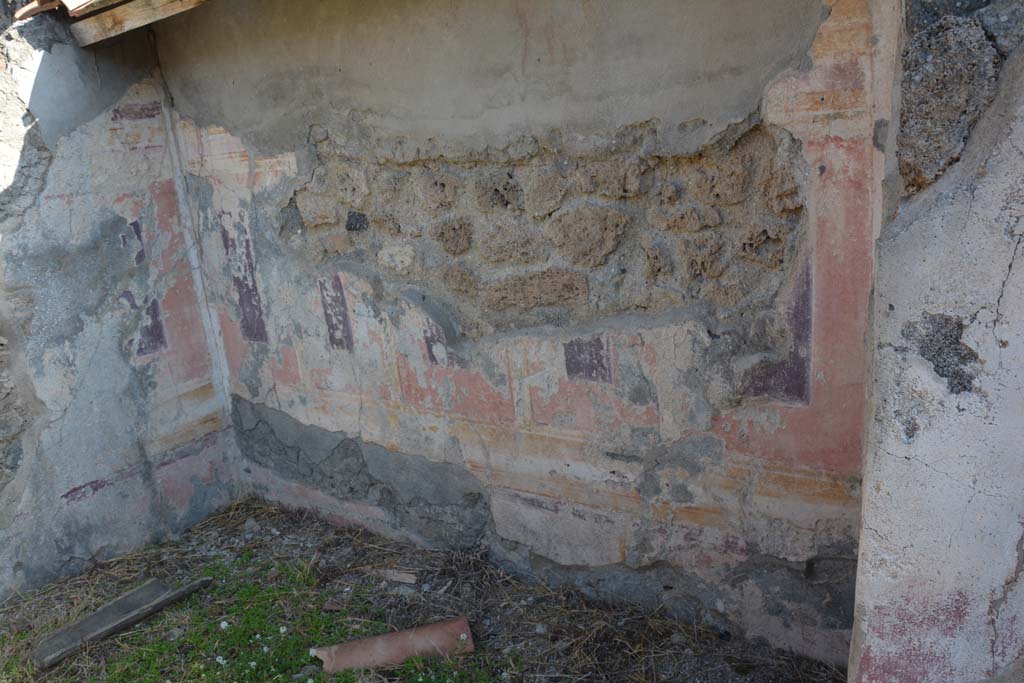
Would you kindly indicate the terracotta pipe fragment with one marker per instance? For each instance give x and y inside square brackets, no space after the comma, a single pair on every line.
[445,638]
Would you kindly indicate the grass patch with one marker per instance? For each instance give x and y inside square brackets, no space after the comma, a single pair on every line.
[242,630]
[256,622]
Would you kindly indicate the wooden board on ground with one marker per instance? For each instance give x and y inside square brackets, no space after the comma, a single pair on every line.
[393,575]
[126,610]
[130,15]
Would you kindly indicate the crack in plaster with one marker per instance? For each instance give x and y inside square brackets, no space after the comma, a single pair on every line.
[996,606]
[1002,288]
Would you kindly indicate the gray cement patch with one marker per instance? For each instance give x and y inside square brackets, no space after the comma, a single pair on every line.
[938,338]
[440,502]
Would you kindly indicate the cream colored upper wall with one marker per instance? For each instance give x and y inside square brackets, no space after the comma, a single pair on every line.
[479,72]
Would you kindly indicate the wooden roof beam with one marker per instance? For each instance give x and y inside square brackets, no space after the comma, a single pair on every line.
[77,8]
[125,17]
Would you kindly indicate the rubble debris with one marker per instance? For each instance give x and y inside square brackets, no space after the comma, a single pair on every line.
[116,616]
[445,638]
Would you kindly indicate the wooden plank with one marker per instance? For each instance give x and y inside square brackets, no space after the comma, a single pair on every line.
[35,7]
[117,615]
[77,8]
[126,17]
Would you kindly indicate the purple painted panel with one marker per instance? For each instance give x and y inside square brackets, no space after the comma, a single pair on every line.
[243,275]
[151,335]
[332,296]
[587,359]
[789,378]
[135,111]
[140,255]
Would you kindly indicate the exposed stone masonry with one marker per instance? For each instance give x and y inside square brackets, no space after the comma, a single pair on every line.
[534,235]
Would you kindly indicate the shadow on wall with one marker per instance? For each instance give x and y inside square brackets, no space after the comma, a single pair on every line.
[89,243]
[59,86]
[48,86]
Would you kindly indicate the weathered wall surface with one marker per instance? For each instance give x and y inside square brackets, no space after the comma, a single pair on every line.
[402,67]
[476,280]
[942,547]
[113,430]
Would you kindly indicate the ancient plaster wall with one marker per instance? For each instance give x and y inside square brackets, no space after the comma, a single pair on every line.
[580,68]
[113,428]
[480,276]
[939,596]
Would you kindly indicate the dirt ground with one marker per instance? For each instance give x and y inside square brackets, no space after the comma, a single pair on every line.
[285,582]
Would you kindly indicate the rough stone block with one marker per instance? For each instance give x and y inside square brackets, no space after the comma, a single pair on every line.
[455,235]
[552,287]
[949,77]
[437,189]
[544,189]
[1004,21]
[513,242]
[588,233]
[614,178]
[498,190]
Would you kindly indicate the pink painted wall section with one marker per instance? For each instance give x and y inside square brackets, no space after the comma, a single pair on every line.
[185,405]
[170,341]
[830,109]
